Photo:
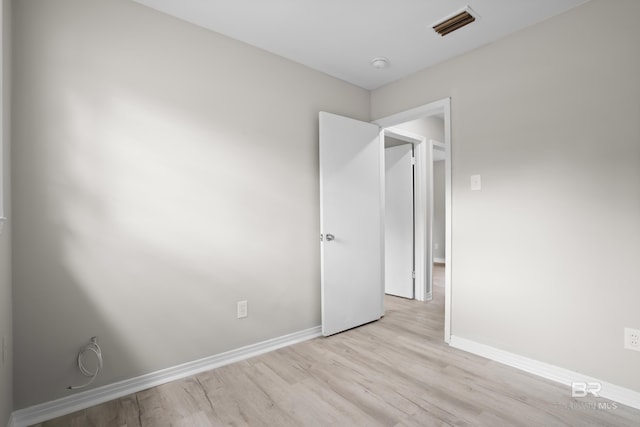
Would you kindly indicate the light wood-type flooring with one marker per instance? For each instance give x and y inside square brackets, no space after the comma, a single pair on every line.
[394,372]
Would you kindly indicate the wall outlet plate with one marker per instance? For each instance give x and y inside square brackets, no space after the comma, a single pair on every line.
[632,339]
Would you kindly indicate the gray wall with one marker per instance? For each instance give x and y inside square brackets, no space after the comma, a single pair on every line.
[162,172]
[6,328]
[428,127]
[545,257]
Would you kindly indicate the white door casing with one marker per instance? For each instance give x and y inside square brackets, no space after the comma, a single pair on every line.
[351,222]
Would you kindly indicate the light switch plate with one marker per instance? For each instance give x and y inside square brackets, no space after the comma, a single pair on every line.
[476,182]
[242,309]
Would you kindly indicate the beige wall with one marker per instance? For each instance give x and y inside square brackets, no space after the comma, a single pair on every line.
[161,173]
[545,257]
[6,328]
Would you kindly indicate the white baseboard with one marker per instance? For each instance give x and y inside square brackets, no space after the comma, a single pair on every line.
[564,376]
[66,405]
[439,260]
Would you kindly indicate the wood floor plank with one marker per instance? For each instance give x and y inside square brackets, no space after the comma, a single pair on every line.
[170,403]
[289,371]
[117,413]
[298,400]
[241,399]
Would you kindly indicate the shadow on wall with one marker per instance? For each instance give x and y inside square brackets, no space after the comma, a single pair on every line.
[126,242]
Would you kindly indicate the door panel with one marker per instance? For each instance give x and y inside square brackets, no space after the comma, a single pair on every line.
[351,211]
[398,221]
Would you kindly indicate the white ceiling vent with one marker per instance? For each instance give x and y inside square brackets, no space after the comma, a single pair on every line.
[455,22]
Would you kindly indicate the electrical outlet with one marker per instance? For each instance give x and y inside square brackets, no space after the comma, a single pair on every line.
[632,339]
[242,309]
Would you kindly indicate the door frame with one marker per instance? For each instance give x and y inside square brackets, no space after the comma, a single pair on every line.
[442,106]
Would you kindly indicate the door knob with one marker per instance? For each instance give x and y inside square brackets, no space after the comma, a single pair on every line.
[330,237]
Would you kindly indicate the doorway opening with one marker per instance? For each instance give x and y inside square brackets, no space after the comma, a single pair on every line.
[406,272]
[427,129]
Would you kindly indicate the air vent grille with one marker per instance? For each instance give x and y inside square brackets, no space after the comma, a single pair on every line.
[454,23]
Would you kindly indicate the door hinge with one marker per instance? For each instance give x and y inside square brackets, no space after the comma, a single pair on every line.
[413,274]
[413,160]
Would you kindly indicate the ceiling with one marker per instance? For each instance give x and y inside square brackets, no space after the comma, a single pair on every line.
[342,37]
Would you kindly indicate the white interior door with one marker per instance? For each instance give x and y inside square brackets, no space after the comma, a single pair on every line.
[351,221]
[398,221]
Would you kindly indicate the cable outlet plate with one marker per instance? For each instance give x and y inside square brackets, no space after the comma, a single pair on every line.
[632,339]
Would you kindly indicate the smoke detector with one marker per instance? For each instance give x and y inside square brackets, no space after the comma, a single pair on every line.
[380,62]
